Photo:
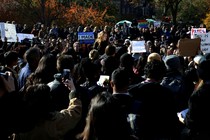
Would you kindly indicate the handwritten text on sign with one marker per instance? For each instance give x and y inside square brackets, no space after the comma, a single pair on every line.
[138,46]
[197,31]
[205,41]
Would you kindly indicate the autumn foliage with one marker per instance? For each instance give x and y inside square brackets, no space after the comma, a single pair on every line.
[50,11]
[80,15]
[7,10]
[207,21]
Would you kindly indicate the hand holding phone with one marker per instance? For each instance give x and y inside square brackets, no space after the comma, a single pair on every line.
[8,80]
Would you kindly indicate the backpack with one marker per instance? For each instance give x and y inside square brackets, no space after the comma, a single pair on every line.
[177,86]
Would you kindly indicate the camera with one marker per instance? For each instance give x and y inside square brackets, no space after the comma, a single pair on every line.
[66,73]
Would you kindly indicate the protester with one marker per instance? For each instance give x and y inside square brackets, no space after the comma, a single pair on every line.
[89,61]
[197,118]
[43,123]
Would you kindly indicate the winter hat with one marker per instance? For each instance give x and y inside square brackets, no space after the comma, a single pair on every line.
[198,59]
[172,62]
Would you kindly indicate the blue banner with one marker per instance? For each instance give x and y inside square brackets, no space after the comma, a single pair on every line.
[86,37]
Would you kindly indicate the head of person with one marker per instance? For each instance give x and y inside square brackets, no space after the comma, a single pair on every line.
[104,120]
[32,57]
[155,70]
[203,70]
[119,80]
[46,69]
[76,46]
[102,36]
[11,58]
[93,54]
[198,59]
[127,42]
[127,61]
[172,63]
[110,50]
[154,56]
[38,103]
[65,62]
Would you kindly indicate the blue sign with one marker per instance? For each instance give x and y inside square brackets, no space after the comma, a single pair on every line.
[86,37]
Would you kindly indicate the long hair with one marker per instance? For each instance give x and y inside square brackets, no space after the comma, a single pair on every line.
[38,104]
[100,37]
[46,69]
[105,120]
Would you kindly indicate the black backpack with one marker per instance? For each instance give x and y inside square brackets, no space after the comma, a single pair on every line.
[177,85]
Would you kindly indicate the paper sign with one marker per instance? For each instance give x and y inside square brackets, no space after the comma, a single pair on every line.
[197,31]
[86,37]
[8,31]
[22,36]
[189,47]
[205,41]
[102,79]
[138,46]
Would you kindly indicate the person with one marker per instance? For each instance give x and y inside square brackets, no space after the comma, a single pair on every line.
[127,62]
[32,57]
[45,70]
[101,42]
[59,93]
[105,121]
[10,106]
[109,62]
[25,29]
[176,81]
[42,122]
[197,117]
[154,56]
[158,118]
[120,81]
[11,59]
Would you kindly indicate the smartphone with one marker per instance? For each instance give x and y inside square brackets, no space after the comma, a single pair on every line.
[66,73]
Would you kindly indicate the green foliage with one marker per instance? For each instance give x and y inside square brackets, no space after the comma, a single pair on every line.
[193,11]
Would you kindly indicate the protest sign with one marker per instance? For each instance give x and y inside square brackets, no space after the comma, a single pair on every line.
[22,36]
[197,31]
[138,46]
[189,47]
[8,31]
[205,41]
[86,37]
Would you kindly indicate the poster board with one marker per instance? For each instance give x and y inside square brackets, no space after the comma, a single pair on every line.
[22,36]
[86,37]
[189,47]
[197,31]
[138,47]
[205,41]
[9,31]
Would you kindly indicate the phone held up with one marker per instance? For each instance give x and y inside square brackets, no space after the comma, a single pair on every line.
[66,74]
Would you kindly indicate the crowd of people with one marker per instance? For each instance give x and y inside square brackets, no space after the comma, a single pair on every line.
[49,85]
